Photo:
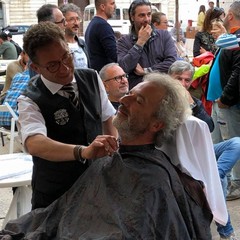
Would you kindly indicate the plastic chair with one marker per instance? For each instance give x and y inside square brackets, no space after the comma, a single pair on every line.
[12,133]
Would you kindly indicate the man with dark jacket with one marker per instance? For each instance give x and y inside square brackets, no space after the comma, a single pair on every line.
[18,48]
[224,91]
[7,49]
[99,35]
[77,46]
[145,49]
[61,111]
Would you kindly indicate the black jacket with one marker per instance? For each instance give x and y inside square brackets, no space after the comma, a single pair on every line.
[229,64]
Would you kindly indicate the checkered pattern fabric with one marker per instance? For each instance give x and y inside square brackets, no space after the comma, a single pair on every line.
[18,85]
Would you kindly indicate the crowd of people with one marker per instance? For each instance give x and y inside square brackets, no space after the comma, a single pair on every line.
[114,131]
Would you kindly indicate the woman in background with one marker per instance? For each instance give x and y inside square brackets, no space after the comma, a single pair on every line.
[201,17]
[204,41]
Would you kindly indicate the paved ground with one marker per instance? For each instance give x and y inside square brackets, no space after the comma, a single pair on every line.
[6,197]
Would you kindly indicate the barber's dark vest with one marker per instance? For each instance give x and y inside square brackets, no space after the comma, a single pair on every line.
[65,124]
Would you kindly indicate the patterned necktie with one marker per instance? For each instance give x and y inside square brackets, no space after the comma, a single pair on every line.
[72,95]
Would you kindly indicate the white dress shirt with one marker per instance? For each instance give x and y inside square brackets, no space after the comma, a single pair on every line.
[31,121]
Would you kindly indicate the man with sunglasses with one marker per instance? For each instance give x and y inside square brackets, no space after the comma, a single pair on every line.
[77,45]
[60,113]
[115,81]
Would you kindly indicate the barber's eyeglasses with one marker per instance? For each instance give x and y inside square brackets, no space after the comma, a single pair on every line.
[63,21]
[117,78]
[53,67]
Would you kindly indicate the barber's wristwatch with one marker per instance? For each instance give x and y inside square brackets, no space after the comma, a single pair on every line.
[77,152]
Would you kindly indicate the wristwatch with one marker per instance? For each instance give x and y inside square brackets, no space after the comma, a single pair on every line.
[138,47]
[193,105]
[77,152]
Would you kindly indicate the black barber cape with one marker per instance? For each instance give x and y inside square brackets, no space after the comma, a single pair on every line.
[136,194]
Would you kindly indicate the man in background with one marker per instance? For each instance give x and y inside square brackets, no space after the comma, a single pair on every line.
[18,48]
[51,13]
[13,68]
[145,49]
[160,21]
[7,49]
[211,4]
[18,86]
[99,36]
[115,82]
[77,45]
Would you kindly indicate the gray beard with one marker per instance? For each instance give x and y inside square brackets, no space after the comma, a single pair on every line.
[126,130]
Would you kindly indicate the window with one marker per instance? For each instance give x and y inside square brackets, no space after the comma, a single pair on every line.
[116,15]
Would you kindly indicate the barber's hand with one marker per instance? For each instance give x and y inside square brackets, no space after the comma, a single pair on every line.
[144,34]
[139,70]
[220,104]
[102,145]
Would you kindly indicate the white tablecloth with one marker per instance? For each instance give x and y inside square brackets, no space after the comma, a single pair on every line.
[16,171]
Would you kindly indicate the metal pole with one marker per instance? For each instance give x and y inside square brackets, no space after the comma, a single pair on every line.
[177,19]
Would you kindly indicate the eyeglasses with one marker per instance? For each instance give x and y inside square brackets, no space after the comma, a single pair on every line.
[53,67]
[117,78]
[63,21]
[74,19]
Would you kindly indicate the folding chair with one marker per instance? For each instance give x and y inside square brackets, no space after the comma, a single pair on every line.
[12,133]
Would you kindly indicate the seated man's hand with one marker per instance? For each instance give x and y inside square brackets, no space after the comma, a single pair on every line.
[102,145]
[139,70]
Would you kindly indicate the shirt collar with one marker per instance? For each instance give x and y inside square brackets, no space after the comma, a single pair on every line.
[53,87]
[234,29]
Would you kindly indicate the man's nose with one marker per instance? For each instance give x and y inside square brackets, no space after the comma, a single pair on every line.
[125,100]
[184,83]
